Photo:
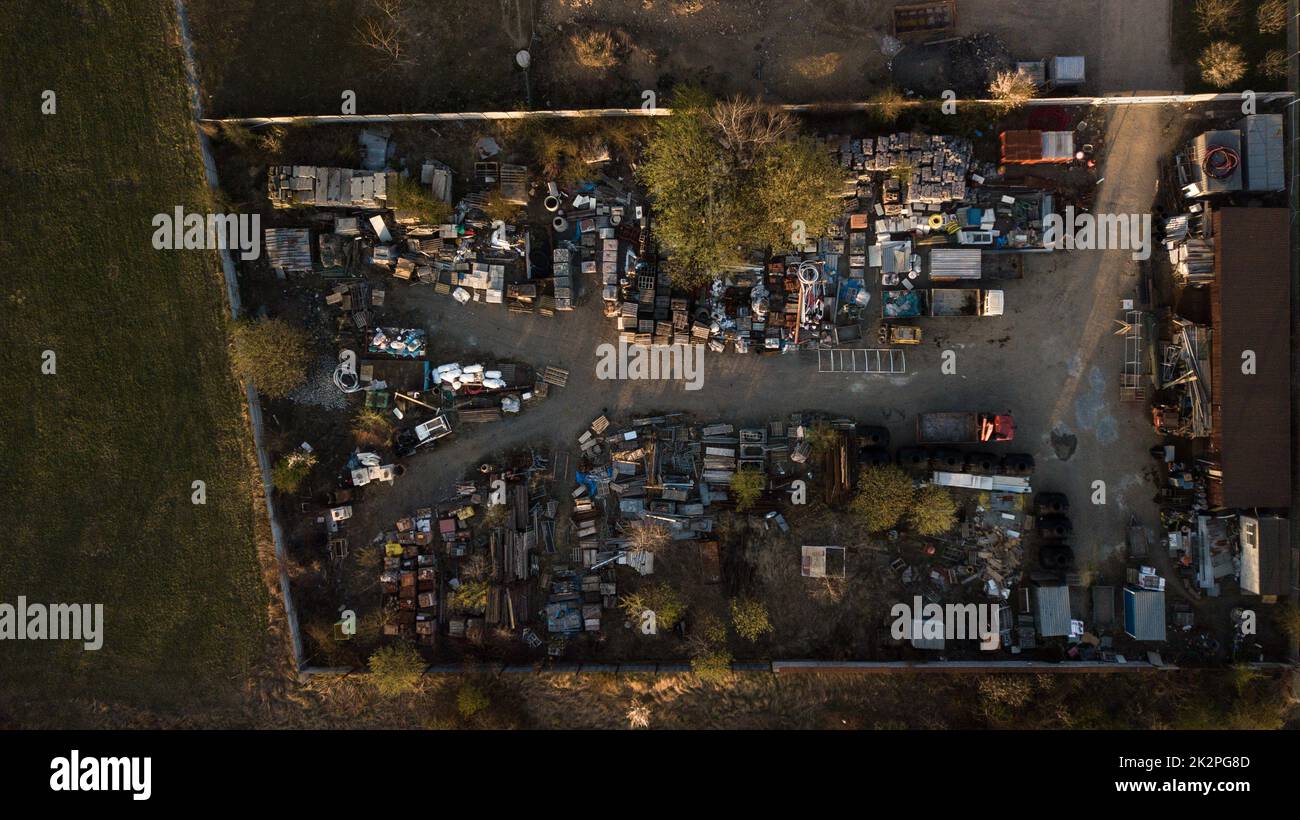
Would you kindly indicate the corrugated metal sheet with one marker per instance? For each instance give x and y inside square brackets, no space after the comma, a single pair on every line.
[1265,165]
[1144,614]
[1250,303]
[1052,610]
[954,263]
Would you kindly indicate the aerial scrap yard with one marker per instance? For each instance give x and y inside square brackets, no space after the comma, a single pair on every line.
[892,410]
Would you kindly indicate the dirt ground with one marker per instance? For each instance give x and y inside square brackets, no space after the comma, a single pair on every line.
[262,58]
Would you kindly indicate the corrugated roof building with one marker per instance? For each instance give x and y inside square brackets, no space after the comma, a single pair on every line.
[1250,304]
[1144,613]
[1265,555]
[1052,610]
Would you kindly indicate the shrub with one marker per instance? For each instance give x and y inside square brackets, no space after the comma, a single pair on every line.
[886,105]
[470,700]
[1274,65]
[661,599]
[1217,16]
[713,666]
[270,353]
[1222,64]
[406,196]
[884,495]
[1271,16]
[291,470]
[1012,89]
[595,49]
[470,596]
[933,511]
[749,617]
[396,668]
[821,437]
[371,428]
[747,485]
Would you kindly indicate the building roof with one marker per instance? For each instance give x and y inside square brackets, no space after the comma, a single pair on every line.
[1251,309]
[1052,610]
[1265,165]
[1144,613]
[1265,554]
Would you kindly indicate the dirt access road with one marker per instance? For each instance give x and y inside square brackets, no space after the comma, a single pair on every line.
[1052,360]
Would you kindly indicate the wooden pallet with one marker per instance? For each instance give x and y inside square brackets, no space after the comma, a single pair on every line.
[556,376]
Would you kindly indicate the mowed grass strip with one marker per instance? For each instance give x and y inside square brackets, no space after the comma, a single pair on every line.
[97,461]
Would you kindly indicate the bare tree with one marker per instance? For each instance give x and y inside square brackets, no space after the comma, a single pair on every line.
[647,536]
[746,126]
[383,31]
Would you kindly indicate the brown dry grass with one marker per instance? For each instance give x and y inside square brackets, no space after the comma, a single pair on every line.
[597,49]
[818,66]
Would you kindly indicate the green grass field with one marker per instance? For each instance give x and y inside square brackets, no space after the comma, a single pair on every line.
[98,459]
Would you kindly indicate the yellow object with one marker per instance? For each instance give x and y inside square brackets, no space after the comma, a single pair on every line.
[465,513]
[392,549]
[936,220]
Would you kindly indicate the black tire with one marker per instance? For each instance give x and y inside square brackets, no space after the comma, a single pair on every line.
[1052,504]
[874,457]
[913,458]
[872,436]
[1055,527]
[981,463]
[1018,464]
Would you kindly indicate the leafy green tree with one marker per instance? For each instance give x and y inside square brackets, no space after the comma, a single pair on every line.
[662,599]
[731,175]
[884,495]
[749,617]
[821,437]
[470,596]
[747,485]
[933,511]
[272,354]
[396,668]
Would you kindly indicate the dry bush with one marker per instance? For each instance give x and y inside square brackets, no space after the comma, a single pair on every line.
[887,104]
[596,49]
[818,66]
[1222,63]
[272,354]
[1274,65]
[371,428]
[685,8]
[1215,16]
[1271,16]
[638,715]
[648,536]
[1012,89]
